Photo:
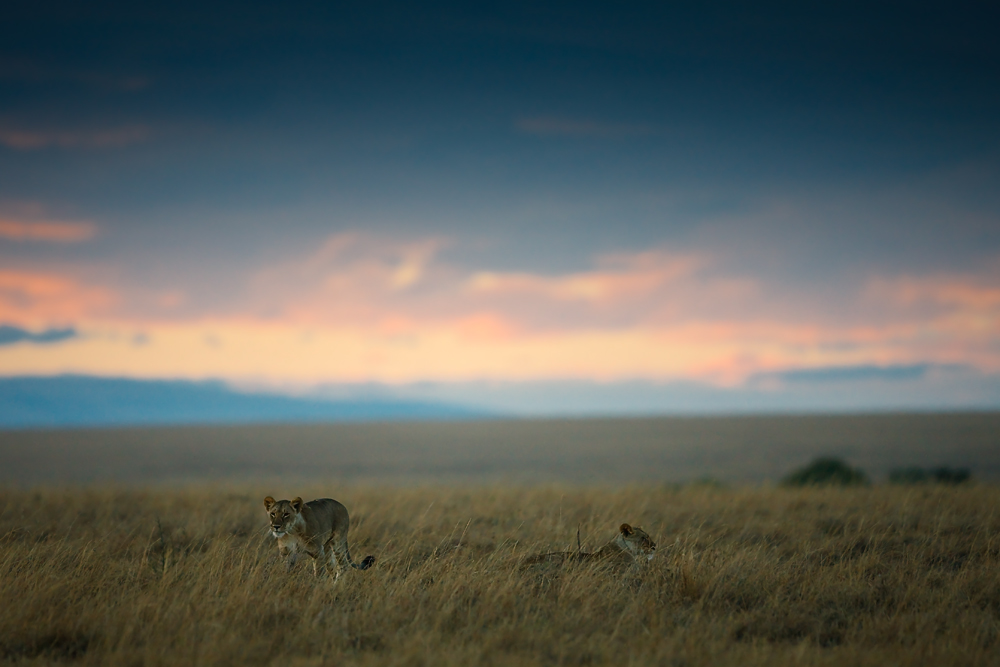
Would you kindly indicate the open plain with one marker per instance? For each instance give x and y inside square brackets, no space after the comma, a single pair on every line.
[733,450]
[178,569]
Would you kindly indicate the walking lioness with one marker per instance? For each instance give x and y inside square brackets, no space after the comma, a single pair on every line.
[318,527]
[630,545]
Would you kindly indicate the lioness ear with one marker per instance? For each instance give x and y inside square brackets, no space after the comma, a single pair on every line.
[297,504]
[626,529]
[268,503]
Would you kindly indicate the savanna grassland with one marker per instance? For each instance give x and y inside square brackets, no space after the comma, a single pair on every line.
[181,575]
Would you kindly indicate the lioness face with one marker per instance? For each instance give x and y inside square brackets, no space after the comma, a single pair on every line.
[282,513]
[638,542]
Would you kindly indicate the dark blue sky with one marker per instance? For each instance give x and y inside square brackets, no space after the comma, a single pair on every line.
[271,104]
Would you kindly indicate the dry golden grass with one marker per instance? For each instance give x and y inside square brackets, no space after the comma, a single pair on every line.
[756,576]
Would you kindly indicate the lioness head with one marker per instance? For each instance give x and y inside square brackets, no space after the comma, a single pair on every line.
[637,542]
[283,514]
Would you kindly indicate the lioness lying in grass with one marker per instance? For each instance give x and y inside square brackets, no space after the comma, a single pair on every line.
[318,527]
[630,545]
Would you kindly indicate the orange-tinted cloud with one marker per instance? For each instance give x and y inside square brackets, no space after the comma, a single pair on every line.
[354,278]
[954,318]
[276,352]
[58,232]
[44,299]
[358,279]
[653,314]
[366,309]
[621,277]
[945,291]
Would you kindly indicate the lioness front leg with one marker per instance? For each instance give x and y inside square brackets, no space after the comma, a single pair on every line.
[290,555]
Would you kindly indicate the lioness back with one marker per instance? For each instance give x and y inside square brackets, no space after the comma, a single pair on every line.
[328,514]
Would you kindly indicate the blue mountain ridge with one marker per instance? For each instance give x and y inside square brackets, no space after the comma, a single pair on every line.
[79,400]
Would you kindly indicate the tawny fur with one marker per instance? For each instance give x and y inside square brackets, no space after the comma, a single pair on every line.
[630,545]
[318,528]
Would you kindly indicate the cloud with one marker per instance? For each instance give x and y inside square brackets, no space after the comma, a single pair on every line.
[549,126]
[411,314]
[363,308]
[51,231]
[949,317]
[402,285]
[356,278]
[22,69]
[27,140]
[39,298]
[447,351]
[943,291]
[621,277]
[10,335]
[652,288]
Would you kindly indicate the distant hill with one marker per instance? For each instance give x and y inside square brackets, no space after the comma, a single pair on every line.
[77,400]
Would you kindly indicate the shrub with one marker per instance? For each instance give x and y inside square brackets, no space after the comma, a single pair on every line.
[911,475]
[944,475]
[826,471]
[940,475]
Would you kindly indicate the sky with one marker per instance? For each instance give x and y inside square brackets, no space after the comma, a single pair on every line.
[539,207]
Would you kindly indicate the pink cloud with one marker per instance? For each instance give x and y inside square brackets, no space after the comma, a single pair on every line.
[356,278]
[58,232]
[622,277]
[363,308]
[43,299]
[942,291]
[361,279]
[649,288]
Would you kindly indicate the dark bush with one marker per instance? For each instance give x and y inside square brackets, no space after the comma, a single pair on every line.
[940,475]
[826,471]
[910,475]
[944,475]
